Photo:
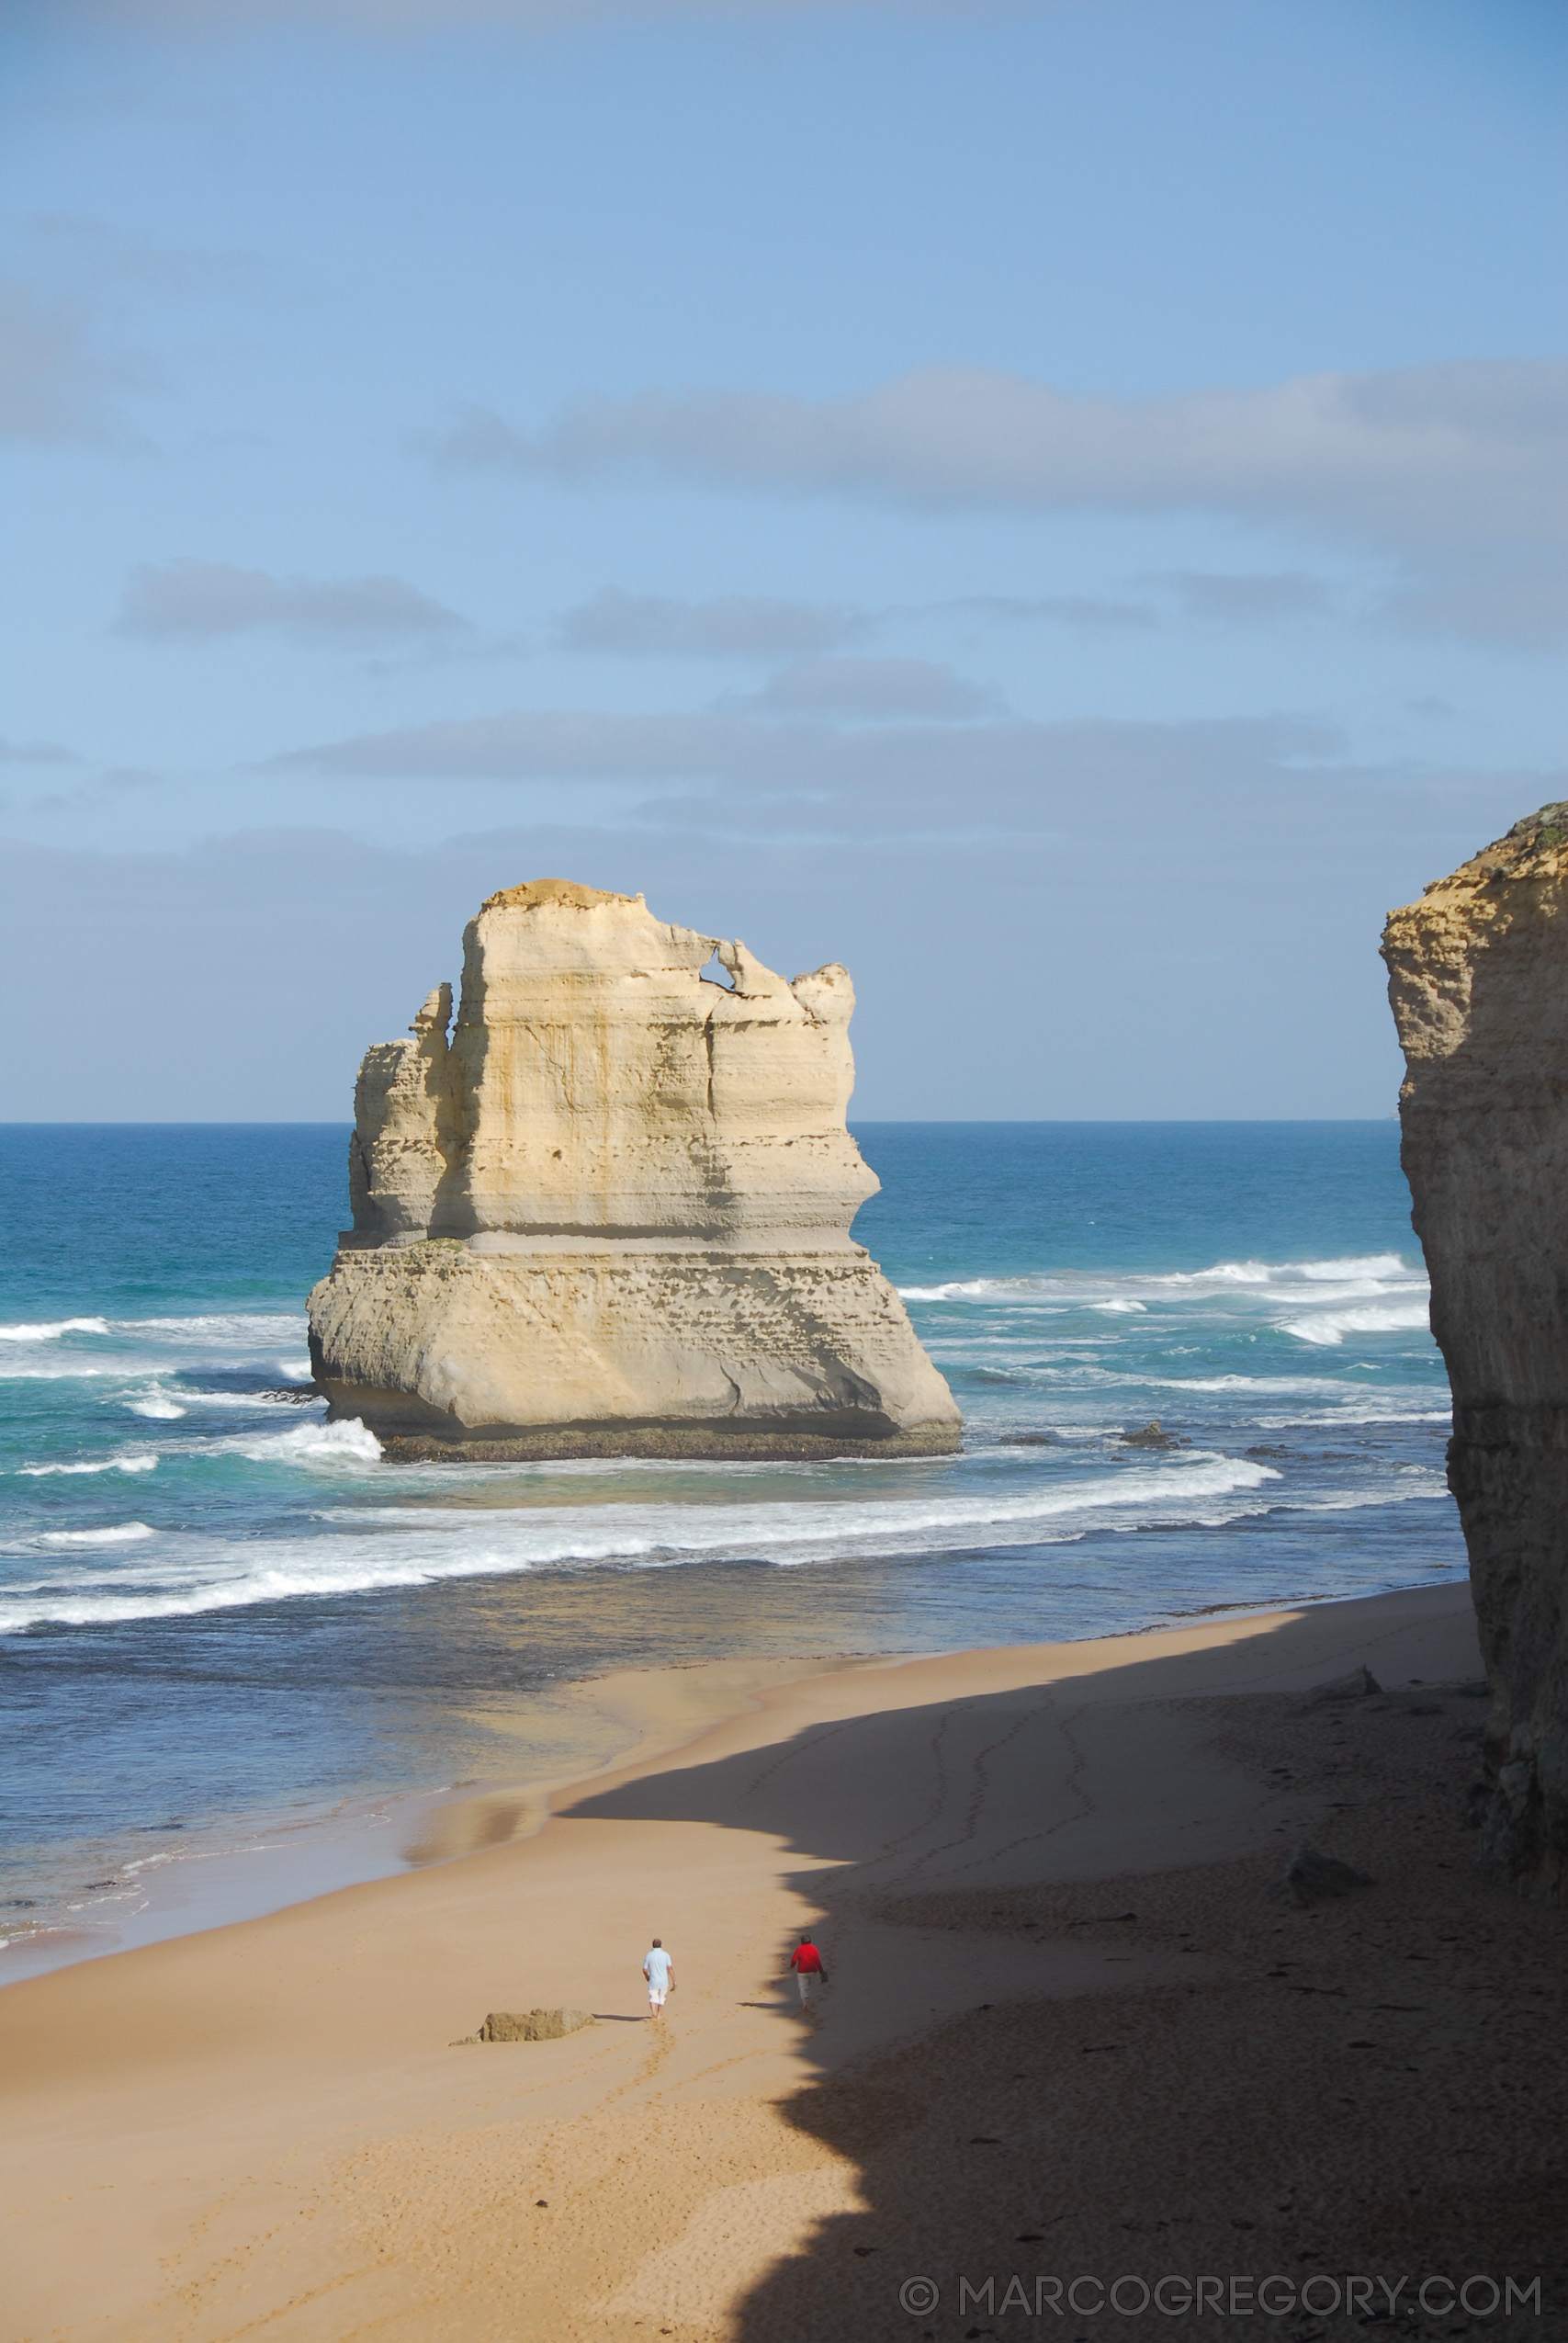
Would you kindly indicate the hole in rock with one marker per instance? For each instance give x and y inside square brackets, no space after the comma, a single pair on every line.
[717,973]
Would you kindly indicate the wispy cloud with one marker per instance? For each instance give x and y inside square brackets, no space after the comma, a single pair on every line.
[55,384]
[1522,598]
[1244,598]
[1438,464]
[199,601]
[544,745]
[731,626]
[1060,610]
[875,690]
[1426,450]
[36,752]
[930,777]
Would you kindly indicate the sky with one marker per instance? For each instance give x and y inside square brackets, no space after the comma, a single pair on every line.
[1058,505]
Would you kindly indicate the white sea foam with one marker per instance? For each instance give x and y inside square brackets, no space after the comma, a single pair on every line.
[142,1348]
[311,1443]
[51,1330]
[1354,1269]
[158,1405]
[142,1461]
[258,1402]
[1242,1382]
[1356,1278]
[1329,1327]
[261,1329]
[122,1534]
[1350,1414]
[346,1442]
[408,1546]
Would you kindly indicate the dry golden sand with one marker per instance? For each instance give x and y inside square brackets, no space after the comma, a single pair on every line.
[263,2131]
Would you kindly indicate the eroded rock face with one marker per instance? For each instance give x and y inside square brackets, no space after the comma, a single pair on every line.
[610,1215]
[1478,978]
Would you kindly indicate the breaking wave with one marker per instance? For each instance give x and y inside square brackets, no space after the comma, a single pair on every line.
[360,1550]
[51,1330]
[139,1463]
[1329,1327]
[120,1533]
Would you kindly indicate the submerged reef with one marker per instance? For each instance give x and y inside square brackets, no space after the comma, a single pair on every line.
[1478,979]
[607,1211]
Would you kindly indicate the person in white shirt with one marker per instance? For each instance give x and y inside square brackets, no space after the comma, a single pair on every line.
[659,1971]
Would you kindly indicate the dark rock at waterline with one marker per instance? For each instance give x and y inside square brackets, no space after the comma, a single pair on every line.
[1311,1878]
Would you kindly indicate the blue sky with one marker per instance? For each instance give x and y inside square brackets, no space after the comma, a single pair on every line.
[1058,506]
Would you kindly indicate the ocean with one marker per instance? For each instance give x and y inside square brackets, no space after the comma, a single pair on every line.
[228,1628]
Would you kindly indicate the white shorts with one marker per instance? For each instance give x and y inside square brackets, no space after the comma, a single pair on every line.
[655,1998]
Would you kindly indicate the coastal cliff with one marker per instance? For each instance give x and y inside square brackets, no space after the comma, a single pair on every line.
[607,1211]
[1478,980]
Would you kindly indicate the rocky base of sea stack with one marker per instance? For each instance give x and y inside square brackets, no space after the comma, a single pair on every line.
[497,1358]
[700,1443]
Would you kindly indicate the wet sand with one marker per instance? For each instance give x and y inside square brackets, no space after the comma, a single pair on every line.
[266,2129]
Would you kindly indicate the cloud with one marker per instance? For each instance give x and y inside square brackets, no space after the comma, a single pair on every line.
[1435,463]
[876,689]
[729,626]
[72,323]
[763,627]
[99,261]
[1169,938]
[1060,609]
[36,752]
[545,744]
[1244,598]
[198,601]
[1523,599]
[53,384]
[802,775]
[1467,446]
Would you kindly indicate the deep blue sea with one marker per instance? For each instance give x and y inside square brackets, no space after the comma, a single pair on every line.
[221,1615]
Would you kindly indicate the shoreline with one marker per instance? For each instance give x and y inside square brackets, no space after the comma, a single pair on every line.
[267,2125]
[255,1864]
[251,1866]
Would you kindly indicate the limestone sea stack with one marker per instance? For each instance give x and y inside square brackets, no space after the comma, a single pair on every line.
[608,1213]
[1478,977]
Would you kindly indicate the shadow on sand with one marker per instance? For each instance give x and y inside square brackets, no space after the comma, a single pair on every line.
[1154,2075]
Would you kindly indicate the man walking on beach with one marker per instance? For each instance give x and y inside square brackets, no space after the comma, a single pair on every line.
[807,1963]
[659,1971]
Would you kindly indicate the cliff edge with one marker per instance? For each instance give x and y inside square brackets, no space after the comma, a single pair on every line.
[607,1211]
[1478,980]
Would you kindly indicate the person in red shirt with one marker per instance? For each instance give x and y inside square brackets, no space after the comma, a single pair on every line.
[807,1963]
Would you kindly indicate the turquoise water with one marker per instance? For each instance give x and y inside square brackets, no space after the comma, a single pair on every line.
[214,1606]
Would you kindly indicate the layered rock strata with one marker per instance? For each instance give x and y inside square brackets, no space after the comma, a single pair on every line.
[608,1212]
[1478,978]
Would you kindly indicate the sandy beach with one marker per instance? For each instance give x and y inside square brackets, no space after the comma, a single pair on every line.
[1064,2034]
